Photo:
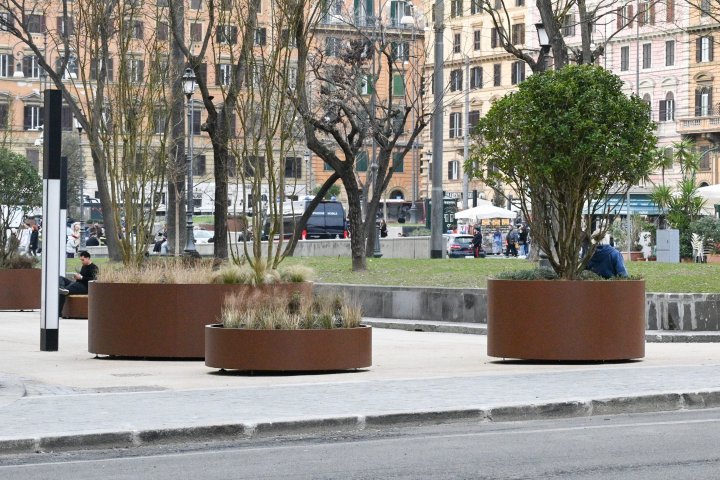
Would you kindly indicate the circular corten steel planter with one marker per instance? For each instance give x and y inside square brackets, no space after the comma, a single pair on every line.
[566,320]
[20,289]
[288,350]
[160,320]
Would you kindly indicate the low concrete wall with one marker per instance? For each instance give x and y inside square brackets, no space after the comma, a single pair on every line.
[400,247]
[663,311]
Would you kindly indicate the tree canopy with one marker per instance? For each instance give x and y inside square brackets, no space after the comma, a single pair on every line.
[565,142]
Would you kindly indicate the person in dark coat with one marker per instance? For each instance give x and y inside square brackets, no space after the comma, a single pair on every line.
[477,241]
[607,262]
[88,272]
[34,240]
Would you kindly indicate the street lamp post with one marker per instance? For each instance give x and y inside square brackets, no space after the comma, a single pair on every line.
[82,185]
[436,225]
[188,80]
[409,20]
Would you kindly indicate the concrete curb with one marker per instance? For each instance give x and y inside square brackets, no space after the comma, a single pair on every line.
[651,336]
[662,402]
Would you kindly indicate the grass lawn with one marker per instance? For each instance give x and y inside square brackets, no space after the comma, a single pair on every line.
[471,273]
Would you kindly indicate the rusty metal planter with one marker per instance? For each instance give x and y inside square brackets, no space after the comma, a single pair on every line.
[160,320]
[288,350]
[20,289]
[566,320]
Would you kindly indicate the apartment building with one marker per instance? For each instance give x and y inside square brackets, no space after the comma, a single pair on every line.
[22,82]
[477,71]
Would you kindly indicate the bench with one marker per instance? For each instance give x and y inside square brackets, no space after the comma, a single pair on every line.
[76,306]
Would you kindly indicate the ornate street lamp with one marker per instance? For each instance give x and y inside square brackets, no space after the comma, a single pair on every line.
[188,82]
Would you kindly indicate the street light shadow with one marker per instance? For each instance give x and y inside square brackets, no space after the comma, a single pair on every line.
[561,362]
[287,373]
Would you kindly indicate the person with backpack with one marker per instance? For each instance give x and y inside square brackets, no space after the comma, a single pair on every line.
[512,239]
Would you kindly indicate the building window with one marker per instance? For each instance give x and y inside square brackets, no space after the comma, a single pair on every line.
[226,34]
[624,59]
[476,77]
[456,80]
[32,117]
[195,127]
[66,119]
[366,85]
[30,66]
[398,163]
[624,16]
[398,89]
[196,32]
[163,31]
[647,55]
[518,72]
[293,167]
[473,119]
[199,165]
[64,32]
[518,34]
[475,6]
[260,37]
[35,23]
[6,21]
[400,51]
[33,156]
[704,49]
[223,74]
[136,72]
[670,11]
[196,4]
[160,122]
[456,8]
[705,7]
[453,170]
[648,101]
[456,43]
[71,69]
[494,38]
[476,39]
[670,53]
[455,125]
[568,25]
[95,71]
[332,46]
[497,74]
[7,66]
[703,101]
[519,3]
[361,161]
[667,108]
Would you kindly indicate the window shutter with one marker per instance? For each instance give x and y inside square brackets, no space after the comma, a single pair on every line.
[513,74]
[630,15]
[42,23]
[698,49]
[480,82]
[641,14]
[711,47]
[710,101]
[218,75]
[202,73]
[619,12]
[652,13]
[11,71]
[663,110]
[698,102]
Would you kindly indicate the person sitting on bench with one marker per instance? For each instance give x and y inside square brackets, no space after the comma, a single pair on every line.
[88,272]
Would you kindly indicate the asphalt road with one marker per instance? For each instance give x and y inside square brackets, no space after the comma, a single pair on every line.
[676,445]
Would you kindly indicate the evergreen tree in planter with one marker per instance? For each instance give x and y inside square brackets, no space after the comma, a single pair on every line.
[565,142]
[568,143]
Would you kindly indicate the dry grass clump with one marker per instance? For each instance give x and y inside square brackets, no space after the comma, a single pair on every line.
[297,274]
[260,274]
[260,311]
[18,262]
[174,270]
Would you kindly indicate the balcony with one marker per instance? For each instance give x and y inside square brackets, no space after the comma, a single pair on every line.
[699,125]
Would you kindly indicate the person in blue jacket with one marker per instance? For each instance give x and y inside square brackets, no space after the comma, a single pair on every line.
[607,262]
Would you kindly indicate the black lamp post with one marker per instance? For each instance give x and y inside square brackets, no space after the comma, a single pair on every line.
[188,80]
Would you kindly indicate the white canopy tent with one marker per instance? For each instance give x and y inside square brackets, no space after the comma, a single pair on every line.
[711,194]
[482,212]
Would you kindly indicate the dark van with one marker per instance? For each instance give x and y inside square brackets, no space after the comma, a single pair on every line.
[326,221]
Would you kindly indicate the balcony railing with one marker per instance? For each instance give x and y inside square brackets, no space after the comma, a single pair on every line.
[700,124]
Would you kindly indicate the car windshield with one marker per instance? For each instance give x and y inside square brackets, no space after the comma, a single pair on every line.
[462,240]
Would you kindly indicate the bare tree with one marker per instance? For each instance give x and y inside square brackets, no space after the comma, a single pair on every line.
[348,110]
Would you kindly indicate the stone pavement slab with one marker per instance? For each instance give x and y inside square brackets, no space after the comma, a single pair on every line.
[69,399]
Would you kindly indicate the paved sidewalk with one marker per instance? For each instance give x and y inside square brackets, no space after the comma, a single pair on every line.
[70,400]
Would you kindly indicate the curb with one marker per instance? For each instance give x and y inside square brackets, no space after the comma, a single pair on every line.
[240,431]
[651,336]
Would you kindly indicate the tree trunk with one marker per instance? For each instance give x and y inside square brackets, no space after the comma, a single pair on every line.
[357,229]
[220,152]
[111,229]
[175,201]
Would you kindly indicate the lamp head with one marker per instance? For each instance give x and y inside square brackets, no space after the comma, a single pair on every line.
[188,82]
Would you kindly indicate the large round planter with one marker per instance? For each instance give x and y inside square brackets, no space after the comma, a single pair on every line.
[288,350]
[160,320]
[566,320]
[20,289]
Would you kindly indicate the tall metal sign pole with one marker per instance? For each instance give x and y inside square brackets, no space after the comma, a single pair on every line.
[436,213]
[53,228]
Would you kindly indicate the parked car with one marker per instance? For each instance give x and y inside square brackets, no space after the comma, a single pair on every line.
[459,245]
[203,236]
